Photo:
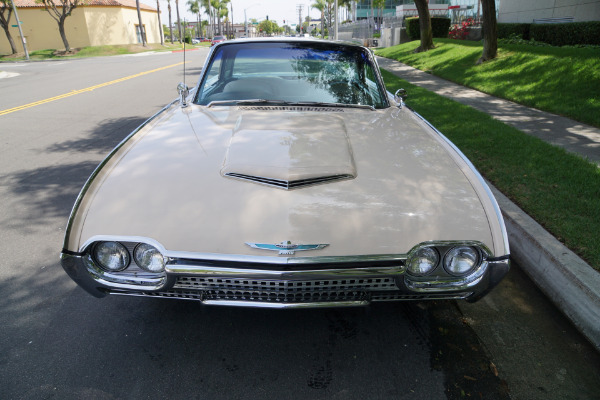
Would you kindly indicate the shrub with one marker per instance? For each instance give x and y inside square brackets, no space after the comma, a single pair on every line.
[515,38]
[506,31]
[461,31]
[572,33]
[439,26]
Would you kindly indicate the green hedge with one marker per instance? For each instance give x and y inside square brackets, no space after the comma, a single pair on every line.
[567,34]
[506,31]
[440,27]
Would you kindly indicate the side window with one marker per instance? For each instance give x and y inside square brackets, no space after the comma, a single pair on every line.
[212,77]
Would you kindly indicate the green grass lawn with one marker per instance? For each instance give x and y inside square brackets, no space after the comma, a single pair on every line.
[559,190]
[560,80]
[97,51]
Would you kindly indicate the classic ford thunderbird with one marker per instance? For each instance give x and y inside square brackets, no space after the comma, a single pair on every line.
[289,177]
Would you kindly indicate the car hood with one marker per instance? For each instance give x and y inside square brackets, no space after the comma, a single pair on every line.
[172,181]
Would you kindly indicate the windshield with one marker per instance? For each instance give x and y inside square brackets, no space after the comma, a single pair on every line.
[292,72]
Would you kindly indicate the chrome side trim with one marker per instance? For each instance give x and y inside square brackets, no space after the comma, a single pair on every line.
[258,304]
[480,179]
[135,281]
[493,270]
[96,171]
[399,258]
[462,283]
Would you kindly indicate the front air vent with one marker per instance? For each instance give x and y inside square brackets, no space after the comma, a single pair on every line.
[289,184]
[292,108]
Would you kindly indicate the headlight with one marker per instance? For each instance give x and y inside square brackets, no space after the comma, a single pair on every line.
[461,260]
[423,261]
[149,258]
[112,256]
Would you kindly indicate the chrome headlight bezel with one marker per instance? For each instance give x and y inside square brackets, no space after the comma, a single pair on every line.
[422,261]
[147,256]
[118,250]
[459,256]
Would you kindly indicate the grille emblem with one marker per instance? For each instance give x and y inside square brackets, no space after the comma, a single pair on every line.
[286,248]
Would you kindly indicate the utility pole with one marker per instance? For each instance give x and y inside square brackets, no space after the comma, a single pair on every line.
[335,32]
[20,31]
[300,8]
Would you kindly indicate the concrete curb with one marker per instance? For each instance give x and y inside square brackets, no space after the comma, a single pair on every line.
[568,281]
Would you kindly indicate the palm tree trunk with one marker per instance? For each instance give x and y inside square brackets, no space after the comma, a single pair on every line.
[142,30]
[178,20]
[170,22]
[160,29]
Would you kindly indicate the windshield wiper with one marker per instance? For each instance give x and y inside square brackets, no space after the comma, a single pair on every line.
[249,101]
[334,105]
[290,103]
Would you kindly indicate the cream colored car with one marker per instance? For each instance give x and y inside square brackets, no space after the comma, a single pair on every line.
[288,178]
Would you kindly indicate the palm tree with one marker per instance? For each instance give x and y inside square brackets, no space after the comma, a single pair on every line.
[223,12]
[141,26]
[160,29]
[178,20]
[214,4]
[320,6]
[206,5]
[379,4]
[170,22]
[194,8]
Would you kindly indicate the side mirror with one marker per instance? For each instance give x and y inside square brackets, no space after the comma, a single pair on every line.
[400,96]
[183,91]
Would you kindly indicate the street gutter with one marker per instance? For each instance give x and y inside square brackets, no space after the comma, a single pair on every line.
[568,281]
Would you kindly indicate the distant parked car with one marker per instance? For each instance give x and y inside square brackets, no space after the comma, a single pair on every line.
[204,39]
[217,39]
[195,40]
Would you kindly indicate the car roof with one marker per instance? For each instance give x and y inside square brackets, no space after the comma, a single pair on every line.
[279,39]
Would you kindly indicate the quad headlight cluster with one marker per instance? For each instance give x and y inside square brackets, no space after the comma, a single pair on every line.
[456,261]
[115,257]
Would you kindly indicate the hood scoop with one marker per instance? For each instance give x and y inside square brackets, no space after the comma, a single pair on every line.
[290,159]
[289,184]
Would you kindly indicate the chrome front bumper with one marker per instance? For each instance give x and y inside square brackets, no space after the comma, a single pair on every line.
[317,286]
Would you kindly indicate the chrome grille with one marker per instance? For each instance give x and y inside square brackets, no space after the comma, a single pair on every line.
[279,293]
[250,285]
[283,291]
[290,184]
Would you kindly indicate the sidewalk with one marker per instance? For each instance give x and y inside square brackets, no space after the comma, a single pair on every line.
[573,136]
[566,279]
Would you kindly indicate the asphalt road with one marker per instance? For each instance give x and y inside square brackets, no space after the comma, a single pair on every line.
[56,341]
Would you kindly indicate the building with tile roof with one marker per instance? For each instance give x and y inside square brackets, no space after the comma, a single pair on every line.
[92,23]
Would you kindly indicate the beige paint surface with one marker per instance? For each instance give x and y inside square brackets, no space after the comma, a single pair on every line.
[166,184]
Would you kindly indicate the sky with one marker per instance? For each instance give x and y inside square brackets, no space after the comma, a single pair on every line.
[277,10]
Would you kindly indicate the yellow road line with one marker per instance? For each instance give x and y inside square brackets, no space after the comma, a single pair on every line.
[88,89]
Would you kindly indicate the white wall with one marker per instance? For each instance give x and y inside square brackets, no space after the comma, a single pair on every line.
[526,11]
